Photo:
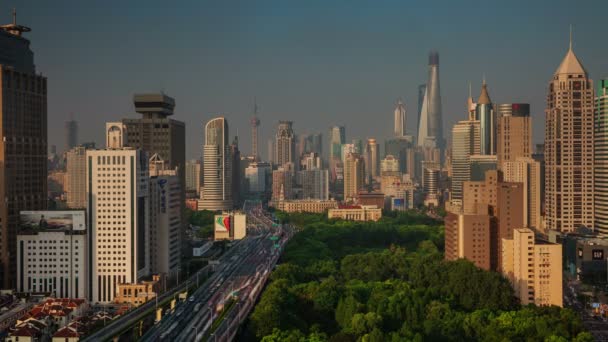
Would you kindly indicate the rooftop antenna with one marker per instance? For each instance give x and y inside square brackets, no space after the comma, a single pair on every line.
[14,16]
[470,90]
[483,77]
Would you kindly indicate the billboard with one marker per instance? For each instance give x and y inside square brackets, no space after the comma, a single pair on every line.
[52,221]
[222,223]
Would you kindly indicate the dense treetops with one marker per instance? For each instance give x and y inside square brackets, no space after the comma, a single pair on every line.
[387,281]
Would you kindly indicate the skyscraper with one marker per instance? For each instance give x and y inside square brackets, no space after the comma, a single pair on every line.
[337,137]
[76,167]
[354,175]
[601,158]
[255,123]
[373,158]
[71,134]
[421,92]
[217,167]
[569,140]
[193,176]
[119,237]
[528,172]
[430,130]
[514,132]
[23,161]
[400,119]
[465,142]
[156,133]
[487,121]
[285,144]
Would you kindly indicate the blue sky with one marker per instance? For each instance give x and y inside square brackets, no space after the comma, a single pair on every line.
[317,63]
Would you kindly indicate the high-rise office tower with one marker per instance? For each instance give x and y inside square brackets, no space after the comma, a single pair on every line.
[285,144]
[165,218]
[430,183]
[118,217]
[258,175]
[235,154]
[193,176]
[421,92]
[528,172]
[310,161]
[514,132]
[317,143]
[315,184]
[430,130]
[255,123]
[282,184]
[71,134]
[465,142]
[354,175]
[337,137]
[569,132]
[76,174]
[23,151]
[373,159]
[400,119]
[484,112]
[534,268]
[601,159]
[217,167]
[156,133]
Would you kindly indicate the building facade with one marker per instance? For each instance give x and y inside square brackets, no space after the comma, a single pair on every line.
[23,153]
[354,176]
[514,132]
[484,112]
[355,213]
[76,178]
[534,268]
[217,167]
[285,144]
[118,210]
[430,129]
[52,258]
[601,159]
[569,147]
[193,176]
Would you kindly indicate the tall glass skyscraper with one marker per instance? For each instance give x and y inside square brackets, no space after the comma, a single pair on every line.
[400,119]
[430,129]
[217,167]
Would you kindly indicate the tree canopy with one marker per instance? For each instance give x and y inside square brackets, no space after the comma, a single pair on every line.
[387,281]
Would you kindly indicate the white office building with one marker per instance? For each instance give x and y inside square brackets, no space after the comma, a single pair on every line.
[52,253]
[119,220]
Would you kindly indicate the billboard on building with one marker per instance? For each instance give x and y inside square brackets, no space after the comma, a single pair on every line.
[222,223]
[52,221]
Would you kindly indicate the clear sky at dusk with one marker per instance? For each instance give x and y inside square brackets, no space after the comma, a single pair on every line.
[317,63]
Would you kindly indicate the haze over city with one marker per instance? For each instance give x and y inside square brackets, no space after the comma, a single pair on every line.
[317,63]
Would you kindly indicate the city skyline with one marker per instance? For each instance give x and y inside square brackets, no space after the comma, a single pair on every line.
[365,81]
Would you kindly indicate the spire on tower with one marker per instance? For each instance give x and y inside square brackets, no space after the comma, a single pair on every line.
[570,48]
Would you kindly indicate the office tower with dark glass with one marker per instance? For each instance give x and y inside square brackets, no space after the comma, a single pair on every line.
[71,134]
[484,112]
[601,159]
[217,167]
[569,132]
[430,129]
[23,151]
